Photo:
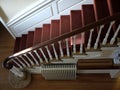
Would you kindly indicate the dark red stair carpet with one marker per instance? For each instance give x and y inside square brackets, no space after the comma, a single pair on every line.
[17,44]
[55,32]
[76,22]
[23,42]
[88,16]
[114,7]
[30,36]
[65,28]
[37,36]
[45,37]
[45,32]
[102,11]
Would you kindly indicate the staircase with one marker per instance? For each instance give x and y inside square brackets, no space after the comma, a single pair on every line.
[85,39]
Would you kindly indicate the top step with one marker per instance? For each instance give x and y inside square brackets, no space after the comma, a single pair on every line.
[114,6]
[101,9]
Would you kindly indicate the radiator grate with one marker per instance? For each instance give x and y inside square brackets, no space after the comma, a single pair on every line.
[59,71]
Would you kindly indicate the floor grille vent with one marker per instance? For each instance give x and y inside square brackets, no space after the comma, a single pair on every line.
[59,71]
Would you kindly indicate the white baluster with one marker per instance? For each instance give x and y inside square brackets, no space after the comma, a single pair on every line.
[43,55]
[98,37]
[17,72]
[25,61]
[32,63]
[20,62]
[61,50]
[67,48]
[90,39]
[50,56]
[108,32]
[21,67]
[56,56]
[81,48]
[33,58]
[115,35]
[74,44]
[38,56]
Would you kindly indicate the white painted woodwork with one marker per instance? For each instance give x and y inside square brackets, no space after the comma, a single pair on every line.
[25,61]
[32,63]
[61,50]
[50,56]
[74,44]
[67,48]
[115,73]
[17,72]
[115,35]
[98,37]
[23,64]
[64,4]
[90,39]
[30,53]
[46,59]
[41,61]
[108,32]
[22,26]
[42,12]
[35,70]
[69,60]
[81,48]
[21,67]
[56,56]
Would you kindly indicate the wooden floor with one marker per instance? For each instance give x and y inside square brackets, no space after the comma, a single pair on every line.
[83,82]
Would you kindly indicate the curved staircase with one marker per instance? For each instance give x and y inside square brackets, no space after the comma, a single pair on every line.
[84,40]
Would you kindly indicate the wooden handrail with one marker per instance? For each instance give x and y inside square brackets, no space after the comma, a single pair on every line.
[67,35]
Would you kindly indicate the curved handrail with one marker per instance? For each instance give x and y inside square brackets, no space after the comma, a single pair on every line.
[66,35]
[6,64]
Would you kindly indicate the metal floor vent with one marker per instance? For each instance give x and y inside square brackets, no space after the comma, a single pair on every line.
[59,71]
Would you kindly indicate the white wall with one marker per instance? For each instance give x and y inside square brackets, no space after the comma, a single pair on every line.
[41,12]
[13,7]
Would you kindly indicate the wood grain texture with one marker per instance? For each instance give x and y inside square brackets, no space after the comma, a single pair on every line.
[83,82]
[6,43]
